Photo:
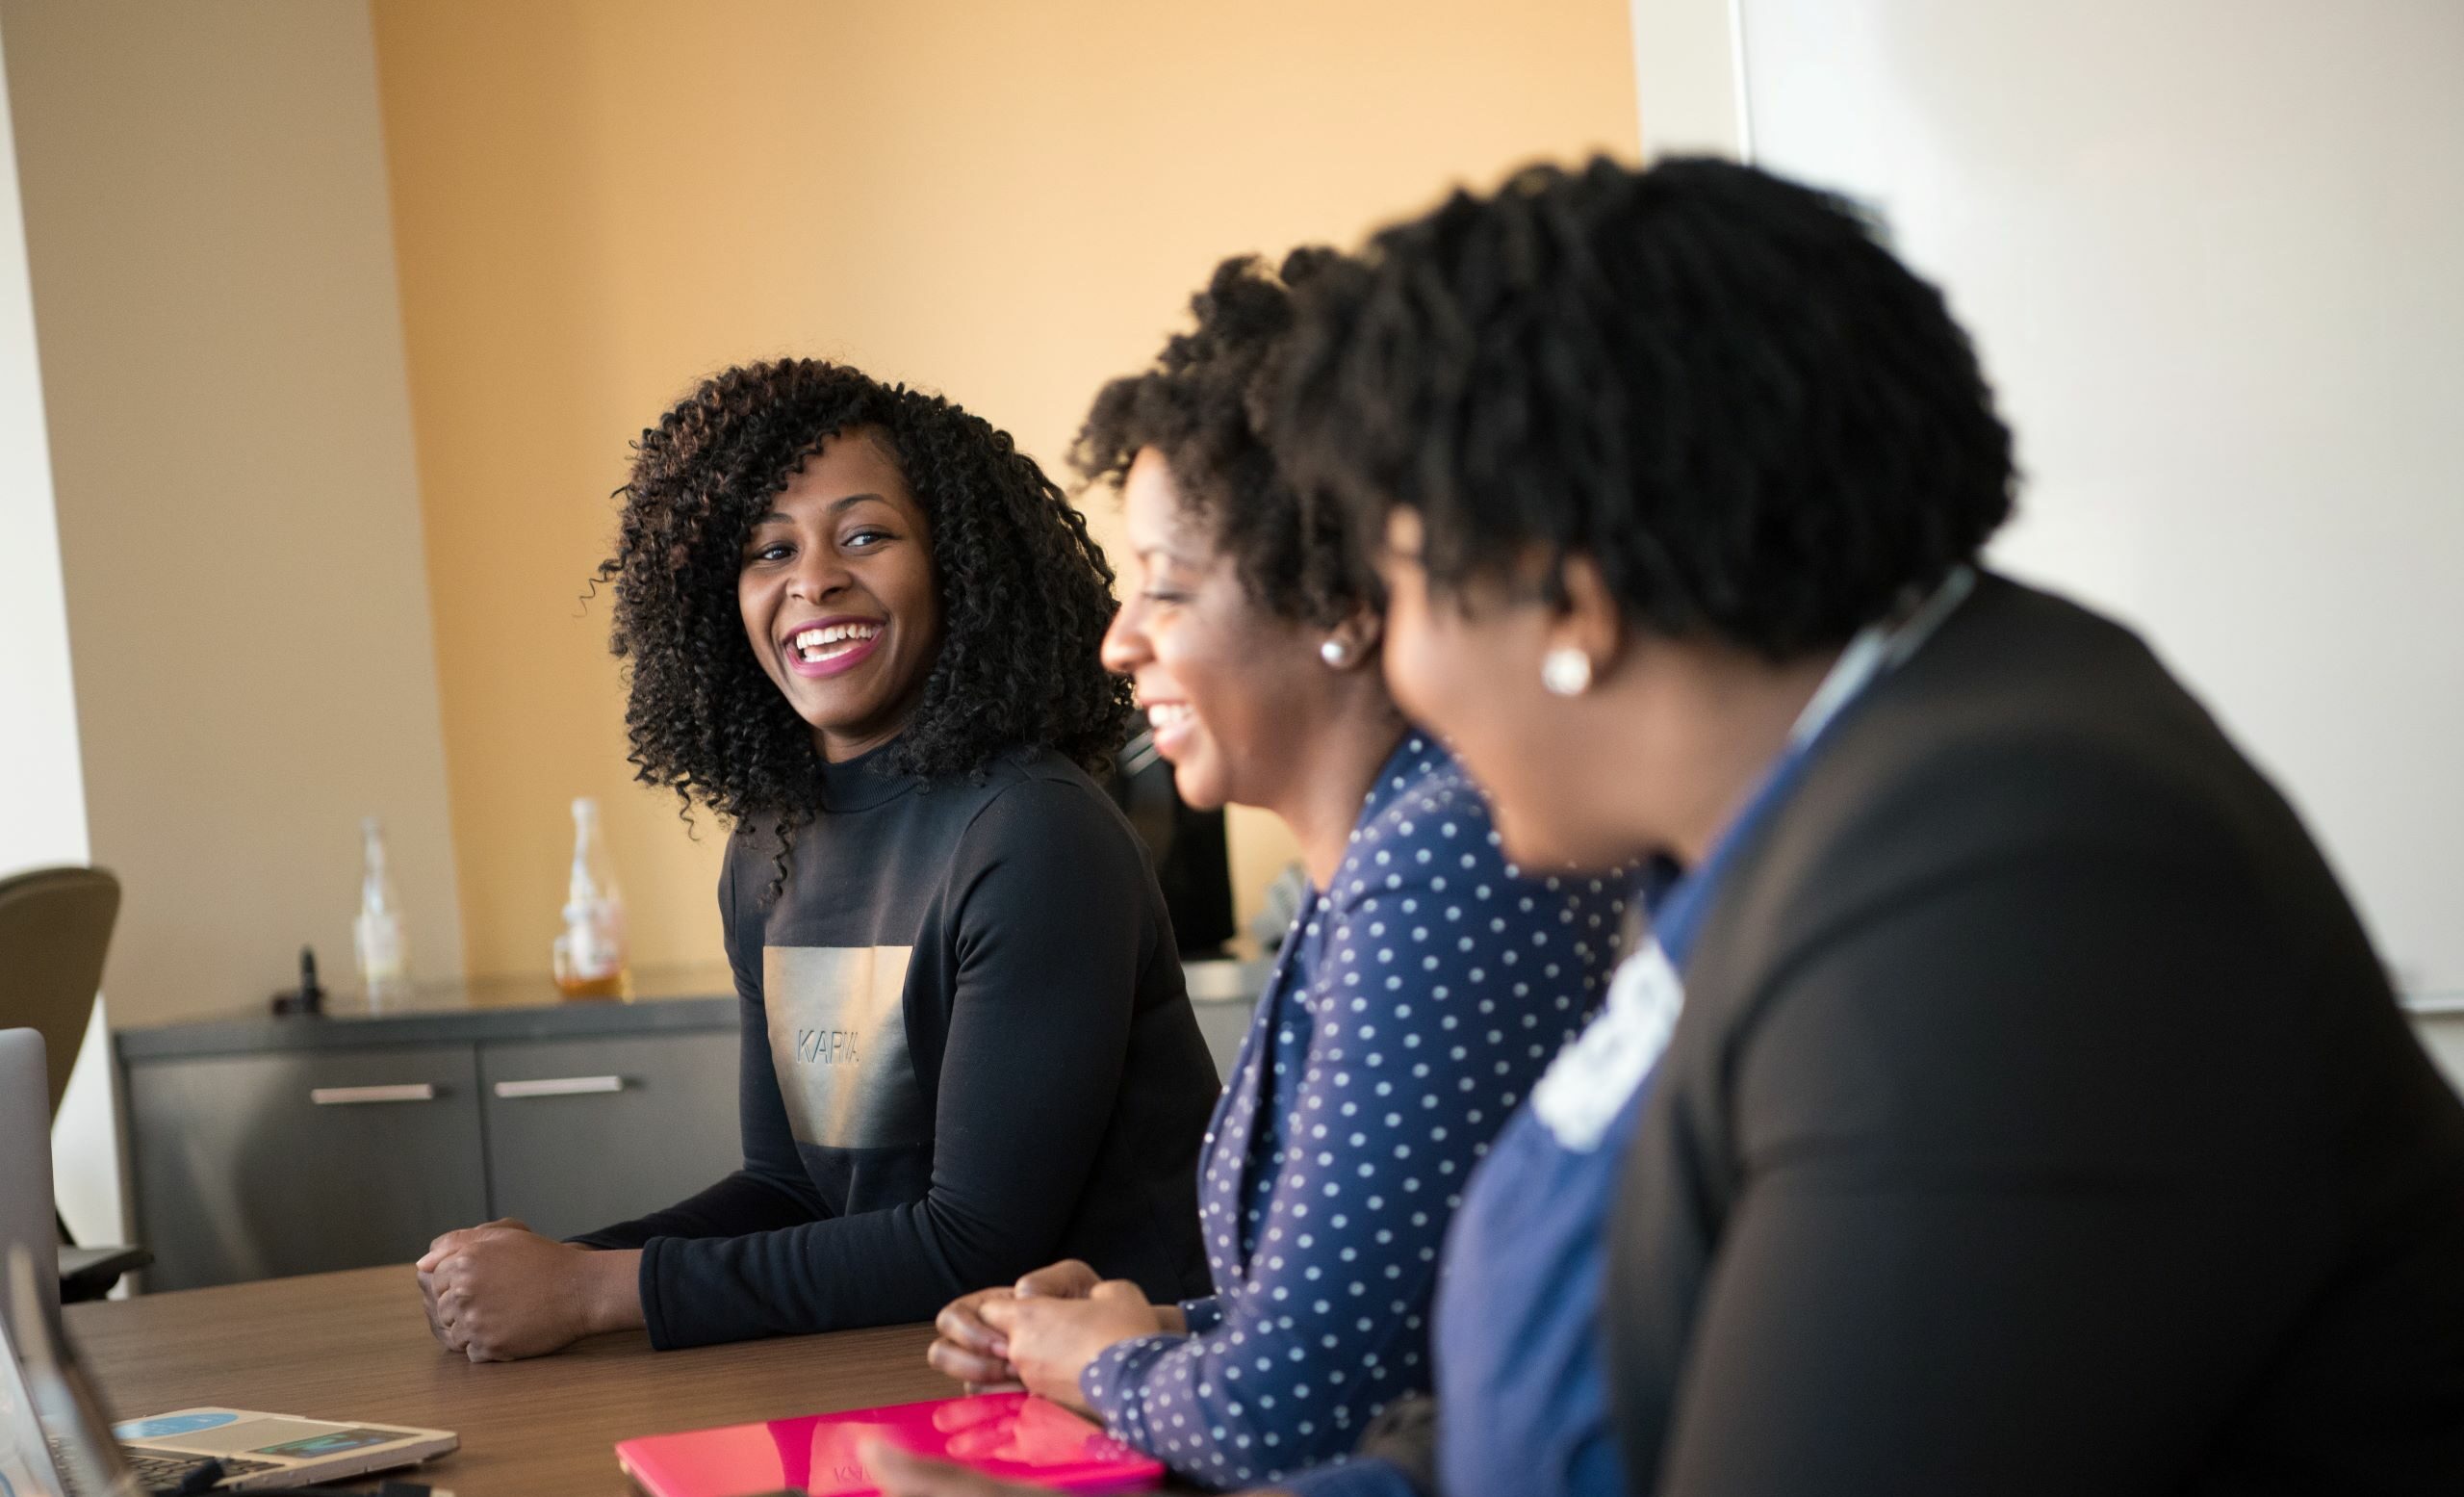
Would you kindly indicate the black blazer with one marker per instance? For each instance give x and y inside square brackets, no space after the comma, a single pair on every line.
[2038,1122]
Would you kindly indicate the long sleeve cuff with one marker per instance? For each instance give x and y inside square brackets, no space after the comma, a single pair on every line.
[655,1309]
[1203,1315]
[1352,1478]
[1113,1386]
[607,1238]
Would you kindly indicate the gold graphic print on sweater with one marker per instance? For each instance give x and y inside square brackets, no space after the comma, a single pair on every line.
[838,1042]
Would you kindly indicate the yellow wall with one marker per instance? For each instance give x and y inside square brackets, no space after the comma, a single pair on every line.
[598,201]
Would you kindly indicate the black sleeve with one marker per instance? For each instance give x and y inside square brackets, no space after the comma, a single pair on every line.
[2009,1213]
[1051,894]
[771,1191]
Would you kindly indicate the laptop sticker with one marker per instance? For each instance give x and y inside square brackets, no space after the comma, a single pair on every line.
[334,1443]
[172,1424]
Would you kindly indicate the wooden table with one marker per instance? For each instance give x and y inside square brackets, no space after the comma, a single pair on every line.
[355,1346]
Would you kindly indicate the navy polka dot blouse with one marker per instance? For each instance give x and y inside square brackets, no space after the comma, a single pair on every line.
[1414,1002]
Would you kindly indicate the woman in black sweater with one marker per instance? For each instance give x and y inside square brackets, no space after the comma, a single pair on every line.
[862,627]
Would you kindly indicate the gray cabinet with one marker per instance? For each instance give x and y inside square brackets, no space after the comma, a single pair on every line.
[263,1147]
[582,1133]
[258,1165]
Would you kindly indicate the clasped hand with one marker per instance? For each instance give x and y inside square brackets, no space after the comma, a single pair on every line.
[1043,1331]
[501,1291]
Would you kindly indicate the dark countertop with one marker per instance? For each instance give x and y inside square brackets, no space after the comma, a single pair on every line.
[664,1000]
[450,1013]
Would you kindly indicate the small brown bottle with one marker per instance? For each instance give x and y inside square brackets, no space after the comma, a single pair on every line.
[590,951]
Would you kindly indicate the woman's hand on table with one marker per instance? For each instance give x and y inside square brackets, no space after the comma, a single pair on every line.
[501,1291]
[1048,1342]
[969,1348]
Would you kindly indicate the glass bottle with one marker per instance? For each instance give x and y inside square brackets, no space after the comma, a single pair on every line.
[377,936]
[590,951]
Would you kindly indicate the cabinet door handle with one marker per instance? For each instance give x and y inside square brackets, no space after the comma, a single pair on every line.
[560,1086]
[355,1095]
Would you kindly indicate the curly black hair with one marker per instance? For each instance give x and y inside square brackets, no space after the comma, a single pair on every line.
[1204,405]
[1025,594]
[1714,383]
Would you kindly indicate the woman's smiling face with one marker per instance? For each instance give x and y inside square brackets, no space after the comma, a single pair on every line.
[839,598]
[1217,672]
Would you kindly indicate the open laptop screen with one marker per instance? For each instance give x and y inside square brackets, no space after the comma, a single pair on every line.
[26,1217]
[25,1461]
[71,1435]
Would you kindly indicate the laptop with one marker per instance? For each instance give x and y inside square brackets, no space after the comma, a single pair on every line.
[26,1218]
[60,1443]
[55,1440]
[1010,1436]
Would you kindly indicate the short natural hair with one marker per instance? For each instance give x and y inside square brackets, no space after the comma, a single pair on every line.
[1714,383]
[1204,406]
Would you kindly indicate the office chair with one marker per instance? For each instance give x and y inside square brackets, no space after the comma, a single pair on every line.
[55,930]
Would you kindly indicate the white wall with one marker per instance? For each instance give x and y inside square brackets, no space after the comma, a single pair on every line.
[212,264]
[42,796]
[1689,78]
[2211,251]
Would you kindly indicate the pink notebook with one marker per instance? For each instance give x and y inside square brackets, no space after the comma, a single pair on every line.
[1015,1436]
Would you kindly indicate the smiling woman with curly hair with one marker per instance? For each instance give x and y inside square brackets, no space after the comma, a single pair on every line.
[862,628]
[1024,592]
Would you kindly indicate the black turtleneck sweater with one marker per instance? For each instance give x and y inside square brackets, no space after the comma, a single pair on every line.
[968,1053]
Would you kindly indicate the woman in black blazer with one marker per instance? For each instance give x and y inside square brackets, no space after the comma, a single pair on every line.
[2037,1118]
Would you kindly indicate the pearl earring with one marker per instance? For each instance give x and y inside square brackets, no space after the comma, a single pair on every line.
[1566,671]
[1336,653]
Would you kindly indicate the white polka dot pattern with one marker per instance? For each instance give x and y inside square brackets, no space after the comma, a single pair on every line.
[1416,1001]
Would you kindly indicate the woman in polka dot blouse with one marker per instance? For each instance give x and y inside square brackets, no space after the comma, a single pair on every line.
[1424,987]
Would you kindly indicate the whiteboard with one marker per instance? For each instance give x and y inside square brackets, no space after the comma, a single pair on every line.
[2212,255]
